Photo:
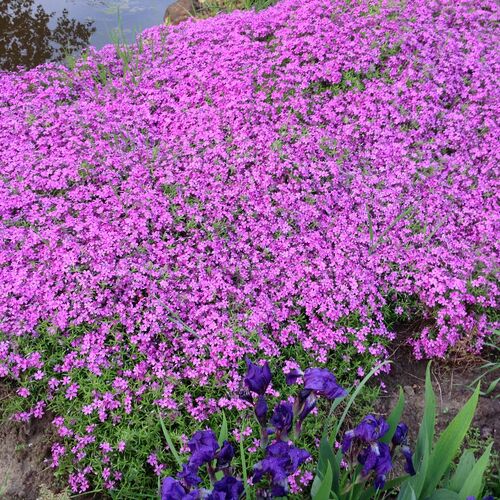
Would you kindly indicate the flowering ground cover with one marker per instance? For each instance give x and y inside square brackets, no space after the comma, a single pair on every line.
[288,183]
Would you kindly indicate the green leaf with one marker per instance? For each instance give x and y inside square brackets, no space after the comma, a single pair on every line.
[244,462]
[325,487]
[416,483]
[170,442]
[327,457]
[473,484]
[491,387]
[315,486]
[444,495]
[426,432]
[449,443]
[222,437]
[425,437]
[370,493]
[465,465]
[395,417]
[351,400]
[223,430]
[407,493]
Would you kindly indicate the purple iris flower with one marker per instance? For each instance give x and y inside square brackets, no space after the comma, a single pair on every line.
[225,455]
[376,458]
[189,475]
[400,435]
[323,383]
[303,407]
[281,461]
[228,488]
[282,419]
[300,401]
[261,411]
[309,405]
[279,490]
[257,378]
[203,446]
[295,456]
[400,438]
[407,453]
[173,490]
[246,396]
[369,430]
[293,375]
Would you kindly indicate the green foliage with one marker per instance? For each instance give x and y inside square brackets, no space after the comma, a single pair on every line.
[328,470]
[147,431]
[433,460]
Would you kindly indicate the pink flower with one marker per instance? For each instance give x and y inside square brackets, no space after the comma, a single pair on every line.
[23,392]
[72,391]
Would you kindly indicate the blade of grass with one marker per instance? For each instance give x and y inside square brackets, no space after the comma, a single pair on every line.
[244,463]
[358,389]
[169,441]
[395,417]
[448,444]
[223,430]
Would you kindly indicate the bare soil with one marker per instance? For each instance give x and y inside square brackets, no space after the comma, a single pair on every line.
[24,466]
[450,379]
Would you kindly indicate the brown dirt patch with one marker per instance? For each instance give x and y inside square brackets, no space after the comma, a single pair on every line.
[450,379]
[24,453]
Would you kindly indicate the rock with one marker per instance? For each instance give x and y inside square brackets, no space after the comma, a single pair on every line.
[409,390]
[486,432]
[179,11]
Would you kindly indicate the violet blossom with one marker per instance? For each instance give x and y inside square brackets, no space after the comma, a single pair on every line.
[203,446]
[228,488]
[173,490]
[257,378]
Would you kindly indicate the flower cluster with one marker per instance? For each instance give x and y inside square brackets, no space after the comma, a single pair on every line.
[204,450]
[305,175]
[374,455]
[282,458]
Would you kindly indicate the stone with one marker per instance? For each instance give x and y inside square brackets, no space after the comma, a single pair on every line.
[409,390]
[179,11]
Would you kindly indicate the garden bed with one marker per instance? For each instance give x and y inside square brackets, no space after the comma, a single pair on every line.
[25,448]
[288,184]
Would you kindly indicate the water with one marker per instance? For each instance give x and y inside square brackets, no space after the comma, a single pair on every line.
[36,31]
